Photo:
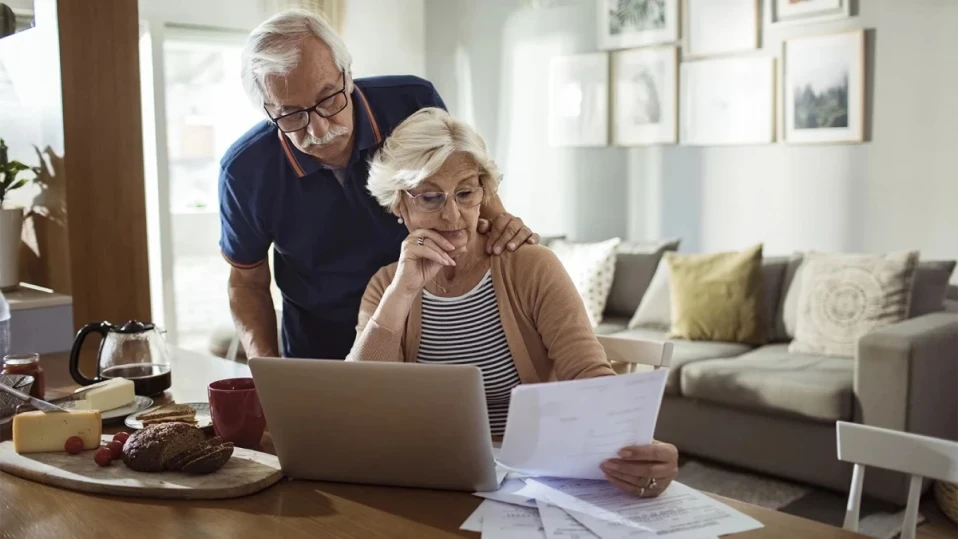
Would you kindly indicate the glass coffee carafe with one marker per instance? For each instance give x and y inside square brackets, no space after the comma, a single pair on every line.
[136,351]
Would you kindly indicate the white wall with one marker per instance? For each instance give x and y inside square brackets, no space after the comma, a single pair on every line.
[899,190]
[385,37]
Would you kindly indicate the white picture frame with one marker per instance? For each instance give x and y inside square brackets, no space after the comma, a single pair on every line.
[727,101]
[785,13]
[578,100]
[625,24]
[645,96]
[823,91]
[721,27]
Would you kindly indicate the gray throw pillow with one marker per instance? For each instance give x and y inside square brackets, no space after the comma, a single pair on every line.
[931,287]
[635,265]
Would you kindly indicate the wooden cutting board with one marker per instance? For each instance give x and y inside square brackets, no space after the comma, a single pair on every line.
[246,472]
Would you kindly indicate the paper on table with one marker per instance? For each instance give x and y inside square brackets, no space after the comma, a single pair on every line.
[559,524]
[504,521]
[474,522]
[678,513]
[566,429]
[507,493]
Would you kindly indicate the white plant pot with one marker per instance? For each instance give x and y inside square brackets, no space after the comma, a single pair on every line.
[11,225]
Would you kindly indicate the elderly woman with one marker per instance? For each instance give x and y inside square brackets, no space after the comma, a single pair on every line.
[517,316]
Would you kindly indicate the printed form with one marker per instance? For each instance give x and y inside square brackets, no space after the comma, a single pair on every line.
[567,429]
[678,513]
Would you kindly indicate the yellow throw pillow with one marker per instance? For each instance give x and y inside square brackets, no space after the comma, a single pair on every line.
[718,296]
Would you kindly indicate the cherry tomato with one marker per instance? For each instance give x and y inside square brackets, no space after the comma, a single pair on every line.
[116,449]
[103,456]
[73,445]
[121,437]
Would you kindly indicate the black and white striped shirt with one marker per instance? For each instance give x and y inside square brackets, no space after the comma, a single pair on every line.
[467,330]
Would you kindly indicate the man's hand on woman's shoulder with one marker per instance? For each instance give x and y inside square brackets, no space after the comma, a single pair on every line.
[506,231]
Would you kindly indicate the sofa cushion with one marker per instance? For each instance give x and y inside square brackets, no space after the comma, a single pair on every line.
[591,267]
[718,296]
[611,324]
[773,276]
[635,264]
[655,309]
[685,352]
[845,295]
[930,291]
[931,287]
[771,379]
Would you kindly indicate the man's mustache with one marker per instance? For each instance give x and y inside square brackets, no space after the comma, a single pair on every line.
[334,132]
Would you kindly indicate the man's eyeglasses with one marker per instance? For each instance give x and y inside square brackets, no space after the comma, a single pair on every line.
[469,197]
[327,107]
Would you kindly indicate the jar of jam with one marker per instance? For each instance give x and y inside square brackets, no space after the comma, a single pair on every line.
[28,364]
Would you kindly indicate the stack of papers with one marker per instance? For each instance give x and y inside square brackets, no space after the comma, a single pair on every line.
[556,437]
[580,509]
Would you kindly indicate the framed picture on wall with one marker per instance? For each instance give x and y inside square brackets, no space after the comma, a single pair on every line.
[786,12]
[579,100]
[644,96]
[625,24]
[728,101]
[824,88]
[721,26]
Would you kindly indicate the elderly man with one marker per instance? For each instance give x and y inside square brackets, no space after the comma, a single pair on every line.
[297,181]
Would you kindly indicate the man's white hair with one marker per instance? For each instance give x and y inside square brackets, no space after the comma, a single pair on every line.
[274,48]
[418,147]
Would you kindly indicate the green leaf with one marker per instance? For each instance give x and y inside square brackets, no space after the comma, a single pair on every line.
[18,185]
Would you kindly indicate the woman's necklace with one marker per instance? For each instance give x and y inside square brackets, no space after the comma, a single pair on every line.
[463,275]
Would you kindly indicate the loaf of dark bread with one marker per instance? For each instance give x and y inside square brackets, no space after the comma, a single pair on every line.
[149,449]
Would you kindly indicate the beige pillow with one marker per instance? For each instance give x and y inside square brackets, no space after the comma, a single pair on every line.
[718,296]
[655,309]
[844,296]
[592,268]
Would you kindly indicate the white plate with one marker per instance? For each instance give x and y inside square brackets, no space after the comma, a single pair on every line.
[139,404]
[203,417]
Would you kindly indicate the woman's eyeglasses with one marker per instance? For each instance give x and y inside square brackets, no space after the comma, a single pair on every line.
[327,107]
[432,201]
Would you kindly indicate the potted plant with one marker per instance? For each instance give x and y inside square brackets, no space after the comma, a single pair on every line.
[11,219]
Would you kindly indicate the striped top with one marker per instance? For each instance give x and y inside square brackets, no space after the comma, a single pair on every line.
[467,330]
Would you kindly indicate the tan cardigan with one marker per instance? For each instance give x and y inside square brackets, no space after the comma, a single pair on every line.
[545,323]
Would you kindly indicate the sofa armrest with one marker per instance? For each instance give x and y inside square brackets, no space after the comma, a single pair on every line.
[906,375]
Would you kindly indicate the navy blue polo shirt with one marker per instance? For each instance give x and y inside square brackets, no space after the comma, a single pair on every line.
[329,239]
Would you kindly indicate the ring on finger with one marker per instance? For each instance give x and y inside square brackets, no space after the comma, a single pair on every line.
[641,491]
[420,240]
[652,484]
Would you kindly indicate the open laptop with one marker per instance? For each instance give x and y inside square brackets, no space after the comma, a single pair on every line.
[398,424]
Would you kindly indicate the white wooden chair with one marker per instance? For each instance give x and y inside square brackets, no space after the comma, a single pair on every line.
[920,456]
[632,352]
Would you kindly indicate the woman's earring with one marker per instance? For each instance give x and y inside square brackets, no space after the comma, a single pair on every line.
[400,220]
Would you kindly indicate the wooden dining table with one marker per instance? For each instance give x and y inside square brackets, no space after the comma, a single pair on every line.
[290,508]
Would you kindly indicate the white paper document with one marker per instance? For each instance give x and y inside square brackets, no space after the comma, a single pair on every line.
[567,429]
[505,521]
[507,493]
[560,525]
[678,513]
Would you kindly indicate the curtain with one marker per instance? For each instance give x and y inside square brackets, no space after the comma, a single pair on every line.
[331,9]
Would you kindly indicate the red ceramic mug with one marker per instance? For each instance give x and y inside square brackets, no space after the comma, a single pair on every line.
[237,415]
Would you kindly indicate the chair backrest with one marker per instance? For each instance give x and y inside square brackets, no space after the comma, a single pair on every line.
[634,352]
[913,454]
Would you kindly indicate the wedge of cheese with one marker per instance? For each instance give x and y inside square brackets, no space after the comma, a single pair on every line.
[38,432]
[105,396]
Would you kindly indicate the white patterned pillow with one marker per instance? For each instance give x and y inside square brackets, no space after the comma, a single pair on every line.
[592,268]
[844,296]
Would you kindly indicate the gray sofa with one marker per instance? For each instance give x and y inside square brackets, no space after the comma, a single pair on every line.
[768,410]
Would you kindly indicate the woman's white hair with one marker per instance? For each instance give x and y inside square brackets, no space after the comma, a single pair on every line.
[273,48]
[418,147]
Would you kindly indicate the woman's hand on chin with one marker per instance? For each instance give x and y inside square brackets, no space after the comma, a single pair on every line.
[643,470]
[424,253]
